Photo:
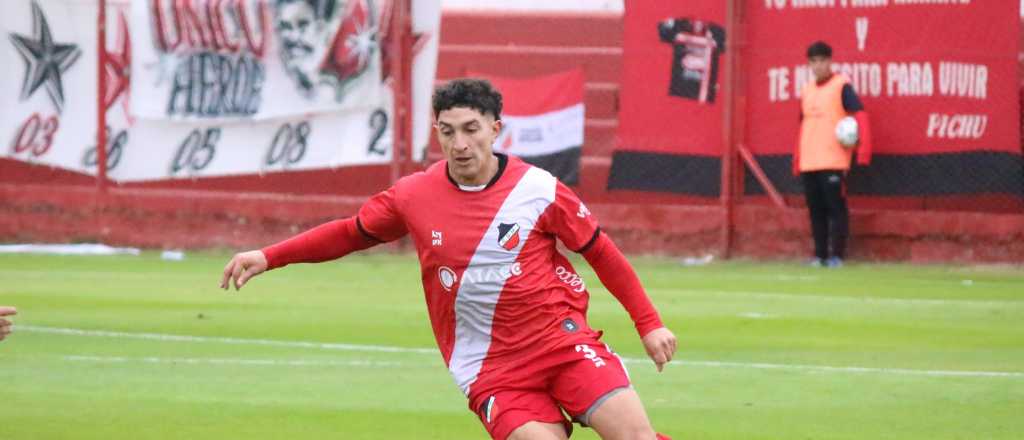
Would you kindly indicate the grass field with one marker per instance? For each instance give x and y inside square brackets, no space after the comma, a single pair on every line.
[343,350]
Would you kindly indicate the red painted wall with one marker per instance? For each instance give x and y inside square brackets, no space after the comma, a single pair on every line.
[40,204]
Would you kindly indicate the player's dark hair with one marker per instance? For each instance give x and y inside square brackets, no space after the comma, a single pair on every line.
[474,93]
[819,49]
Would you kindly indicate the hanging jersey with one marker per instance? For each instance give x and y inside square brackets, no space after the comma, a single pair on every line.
[494,283]
[696,48]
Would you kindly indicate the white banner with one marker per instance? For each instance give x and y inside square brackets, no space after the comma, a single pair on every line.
[48,81]
[426,27]
[254,59]
[222,99]
[211,149]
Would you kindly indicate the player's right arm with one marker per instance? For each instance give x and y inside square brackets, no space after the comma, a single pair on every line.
[378,221]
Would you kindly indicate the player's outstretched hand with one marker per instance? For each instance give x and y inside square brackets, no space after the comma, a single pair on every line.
[5,324]
[660,345]
[243,266]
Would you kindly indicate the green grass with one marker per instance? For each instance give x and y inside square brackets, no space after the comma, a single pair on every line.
[752,339]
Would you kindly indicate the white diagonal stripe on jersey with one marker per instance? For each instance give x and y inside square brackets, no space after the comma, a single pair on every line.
[489,268]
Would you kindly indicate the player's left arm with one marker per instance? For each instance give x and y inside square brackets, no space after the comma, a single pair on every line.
[570,220]
[854,107]
[618,276]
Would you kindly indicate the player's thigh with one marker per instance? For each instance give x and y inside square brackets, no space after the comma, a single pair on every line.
[508,413]
[539,431]
[588,375]
[622,417]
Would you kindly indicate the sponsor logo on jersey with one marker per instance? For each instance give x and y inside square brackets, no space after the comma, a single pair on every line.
[491,273]
[435,238]
[479,275]
[508,235]
[447,277]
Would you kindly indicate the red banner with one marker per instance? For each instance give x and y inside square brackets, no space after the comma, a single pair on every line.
[543,121]
[670,114]
[672,75]
[936,76]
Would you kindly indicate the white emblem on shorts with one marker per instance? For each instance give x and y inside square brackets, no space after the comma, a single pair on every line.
[447,277]
[490,406]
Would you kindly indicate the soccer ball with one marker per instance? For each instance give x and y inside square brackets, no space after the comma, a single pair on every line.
[847,132]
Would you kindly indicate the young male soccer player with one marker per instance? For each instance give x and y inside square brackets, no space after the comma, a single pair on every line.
[508,311]
[819,159]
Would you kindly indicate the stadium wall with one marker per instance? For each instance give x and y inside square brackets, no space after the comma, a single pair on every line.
[41,204]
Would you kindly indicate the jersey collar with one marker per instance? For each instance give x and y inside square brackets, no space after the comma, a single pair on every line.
[502,162]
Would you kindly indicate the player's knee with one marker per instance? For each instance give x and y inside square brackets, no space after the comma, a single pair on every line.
[630,430]
[639,431]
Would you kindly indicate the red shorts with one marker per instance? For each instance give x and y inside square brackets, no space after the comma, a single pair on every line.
[574,378]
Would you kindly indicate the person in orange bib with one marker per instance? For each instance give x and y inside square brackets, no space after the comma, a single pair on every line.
[821,161]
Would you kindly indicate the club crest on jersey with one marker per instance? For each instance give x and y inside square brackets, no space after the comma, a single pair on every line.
[508,235]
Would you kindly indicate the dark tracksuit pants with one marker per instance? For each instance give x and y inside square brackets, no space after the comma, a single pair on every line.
[830,220]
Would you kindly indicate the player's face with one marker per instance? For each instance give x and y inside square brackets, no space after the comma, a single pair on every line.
[820,66]
[466,137]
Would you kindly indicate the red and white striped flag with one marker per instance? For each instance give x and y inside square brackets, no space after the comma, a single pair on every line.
[543,118]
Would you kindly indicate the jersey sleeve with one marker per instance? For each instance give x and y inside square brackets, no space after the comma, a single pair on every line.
[570,220]
[380,218]
[851,102]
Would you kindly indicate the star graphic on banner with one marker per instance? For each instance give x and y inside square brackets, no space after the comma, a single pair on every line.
[118,62]
[45,59]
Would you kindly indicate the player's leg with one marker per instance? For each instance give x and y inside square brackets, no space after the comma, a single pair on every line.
[622,417]
[834,195]
[521,414]
[593,387]
[818,210]
[539,431]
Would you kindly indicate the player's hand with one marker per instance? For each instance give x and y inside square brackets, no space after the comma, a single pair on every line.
[661,346]
[5,324]
[243,266]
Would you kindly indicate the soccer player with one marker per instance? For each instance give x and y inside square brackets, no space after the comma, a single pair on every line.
[819,159]
[5,324]
[508,311]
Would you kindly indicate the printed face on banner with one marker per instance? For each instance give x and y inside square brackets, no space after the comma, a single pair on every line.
[256,59]
[209,88]
[324,42]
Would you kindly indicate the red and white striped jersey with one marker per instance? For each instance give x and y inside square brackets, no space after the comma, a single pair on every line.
[494,282]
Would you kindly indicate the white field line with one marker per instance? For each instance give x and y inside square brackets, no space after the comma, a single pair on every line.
[387,349]
[852,299]
[221,361]
[223,340]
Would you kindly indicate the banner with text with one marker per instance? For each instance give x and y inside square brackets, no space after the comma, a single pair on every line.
[939,79]
[254,59]
[670,116]
[216,65]
[48,83]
